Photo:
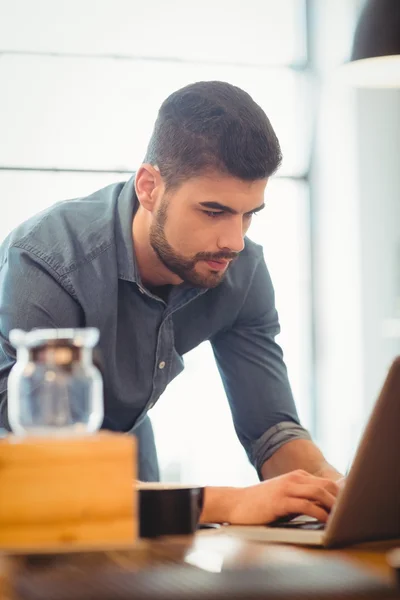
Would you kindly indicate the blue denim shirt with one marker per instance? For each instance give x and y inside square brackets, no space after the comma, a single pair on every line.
[73,265]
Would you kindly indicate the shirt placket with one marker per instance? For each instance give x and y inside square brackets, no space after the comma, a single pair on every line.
[165,343]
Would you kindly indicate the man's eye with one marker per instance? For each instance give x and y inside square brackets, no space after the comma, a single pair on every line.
[213,213]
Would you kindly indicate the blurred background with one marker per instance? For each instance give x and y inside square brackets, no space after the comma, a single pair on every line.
[81,82]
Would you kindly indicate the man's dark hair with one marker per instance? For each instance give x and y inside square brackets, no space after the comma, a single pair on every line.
[212,126]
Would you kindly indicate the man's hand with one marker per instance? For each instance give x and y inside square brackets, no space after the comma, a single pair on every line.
[297,492]
[294,493]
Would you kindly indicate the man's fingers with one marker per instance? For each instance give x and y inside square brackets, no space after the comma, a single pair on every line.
[314,493]
[331,486]
[306,507]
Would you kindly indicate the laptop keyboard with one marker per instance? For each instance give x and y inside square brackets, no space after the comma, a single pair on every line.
[315,526]
[309,525]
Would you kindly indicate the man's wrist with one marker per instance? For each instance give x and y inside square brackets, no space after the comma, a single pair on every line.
[328,472]
[219,504]
[298,454]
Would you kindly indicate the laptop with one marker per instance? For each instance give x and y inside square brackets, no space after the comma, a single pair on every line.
[368,506]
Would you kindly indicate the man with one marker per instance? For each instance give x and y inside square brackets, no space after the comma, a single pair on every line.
[160,264]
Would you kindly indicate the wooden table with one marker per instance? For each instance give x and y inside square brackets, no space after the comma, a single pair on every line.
[371,556]
[210,551]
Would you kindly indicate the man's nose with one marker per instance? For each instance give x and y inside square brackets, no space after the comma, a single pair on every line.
[232,236]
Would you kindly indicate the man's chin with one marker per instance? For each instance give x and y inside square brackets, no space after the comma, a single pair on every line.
[208,281]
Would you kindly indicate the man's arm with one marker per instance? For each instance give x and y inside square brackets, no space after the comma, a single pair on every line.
[258,389]
[299,454]
[30,297]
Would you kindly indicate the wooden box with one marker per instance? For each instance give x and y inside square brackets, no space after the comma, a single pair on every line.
[68,491]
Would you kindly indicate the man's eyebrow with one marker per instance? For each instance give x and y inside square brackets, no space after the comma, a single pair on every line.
[228,209]
[257,209]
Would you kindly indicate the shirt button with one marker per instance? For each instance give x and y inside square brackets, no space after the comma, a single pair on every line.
[161,365]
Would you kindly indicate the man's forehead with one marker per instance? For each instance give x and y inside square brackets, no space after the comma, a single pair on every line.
[223,185]
[237,195]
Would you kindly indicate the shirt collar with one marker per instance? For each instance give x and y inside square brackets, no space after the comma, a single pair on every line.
[127,205]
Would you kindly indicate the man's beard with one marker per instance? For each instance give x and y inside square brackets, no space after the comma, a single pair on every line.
[178,264]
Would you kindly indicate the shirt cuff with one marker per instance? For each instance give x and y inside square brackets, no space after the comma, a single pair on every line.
[275,437]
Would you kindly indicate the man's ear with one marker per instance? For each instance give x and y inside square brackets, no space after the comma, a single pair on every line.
[148,186]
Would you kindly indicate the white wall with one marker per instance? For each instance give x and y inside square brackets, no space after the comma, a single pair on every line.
[378,133]
[357,249]
[355,187]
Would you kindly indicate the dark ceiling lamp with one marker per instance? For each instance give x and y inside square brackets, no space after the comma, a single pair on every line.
[375,58]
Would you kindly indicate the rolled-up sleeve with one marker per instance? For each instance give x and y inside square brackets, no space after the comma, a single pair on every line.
[254,374]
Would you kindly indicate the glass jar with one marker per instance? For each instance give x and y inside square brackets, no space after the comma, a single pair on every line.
[54,387]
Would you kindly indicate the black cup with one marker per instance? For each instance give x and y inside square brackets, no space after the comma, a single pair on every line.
[169,509]
[393,558]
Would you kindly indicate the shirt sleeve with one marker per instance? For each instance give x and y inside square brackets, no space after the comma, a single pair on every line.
[254,374]
[31,296]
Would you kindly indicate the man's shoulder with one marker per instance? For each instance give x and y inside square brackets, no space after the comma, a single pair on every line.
[69,232]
